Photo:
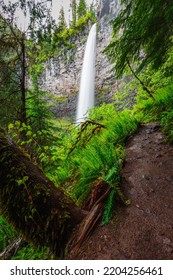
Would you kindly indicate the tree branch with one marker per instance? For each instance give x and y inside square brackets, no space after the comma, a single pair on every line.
[141,82]
[97,128]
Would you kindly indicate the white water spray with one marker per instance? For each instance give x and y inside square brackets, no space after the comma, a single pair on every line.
[86,92]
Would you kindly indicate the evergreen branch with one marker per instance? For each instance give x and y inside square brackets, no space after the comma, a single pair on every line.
[141,82]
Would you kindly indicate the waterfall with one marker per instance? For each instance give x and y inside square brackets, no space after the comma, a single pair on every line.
[86,92]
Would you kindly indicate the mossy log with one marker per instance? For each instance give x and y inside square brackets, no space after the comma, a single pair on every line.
[32,203]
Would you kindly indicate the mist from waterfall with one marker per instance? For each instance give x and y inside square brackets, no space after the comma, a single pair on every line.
[87,82]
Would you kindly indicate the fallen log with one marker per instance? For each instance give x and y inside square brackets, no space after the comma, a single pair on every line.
[42,213]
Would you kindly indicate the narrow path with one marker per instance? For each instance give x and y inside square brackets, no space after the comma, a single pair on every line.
[143,230]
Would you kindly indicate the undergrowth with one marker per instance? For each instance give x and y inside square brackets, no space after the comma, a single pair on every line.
[8,235]
[30,253]
[98,155]
[89,153]
[159,108]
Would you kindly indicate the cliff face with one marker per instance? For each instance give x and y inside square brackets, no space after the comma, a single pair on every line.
[106,12]
[62,74]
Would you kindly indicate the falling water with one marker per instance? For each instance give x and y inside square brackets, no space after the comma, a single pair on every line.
[86,92]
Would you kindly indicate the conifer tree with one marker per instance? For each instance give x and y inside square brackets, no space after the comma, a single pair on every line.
[82,8]
[62,22]
[13,68]
[74,11]
[92,10]
[142,33]
[18,54]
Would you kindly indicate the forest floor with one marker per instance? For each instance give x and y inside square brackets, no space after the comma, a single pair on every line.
[144,229]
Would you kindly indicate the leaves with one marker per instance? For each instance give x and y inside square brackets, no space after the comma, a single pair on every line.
[141,33]
[109,207]
[81,8]
[22,181]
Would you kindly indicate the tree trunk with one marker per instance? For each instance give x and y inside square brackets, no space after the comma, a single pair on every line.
[32,203]
[23,80]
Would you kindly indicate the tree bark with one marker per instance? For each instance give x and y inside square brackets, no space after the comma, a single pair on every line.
[23,80]
[42,213]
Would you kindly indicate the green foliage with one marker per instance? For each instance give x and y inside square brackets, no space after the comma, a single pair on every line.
[37,143]
[64,36]
[167,124]
[154,109]
[28,252]
[73,158]
[142,33]
[159,108]
[98,155]
[63,40]
[26,200]
[109,207]
[9,81]
[62,23]
[7,234]
[74,12]
[81,8]
[17,55]
[92,11]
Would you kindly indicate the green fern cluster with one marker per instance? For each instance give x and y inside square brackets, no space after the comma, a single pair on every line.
[95,153]
[30,253]
[159,108]
[167,124]
[101,157]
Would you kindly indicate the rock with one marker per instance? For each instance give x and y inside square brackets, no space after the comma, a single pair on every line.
[61,76]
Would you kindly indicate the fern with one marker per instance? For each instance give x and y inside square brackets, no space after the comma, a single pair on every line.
[109,207]
[167,125]
[30,253]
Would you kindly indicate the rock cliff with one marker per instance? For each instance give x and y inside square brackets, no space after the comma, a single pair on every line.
[62,73]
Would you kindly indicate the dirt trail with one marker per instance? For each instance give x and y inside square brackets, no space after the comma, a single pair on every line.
[143,230]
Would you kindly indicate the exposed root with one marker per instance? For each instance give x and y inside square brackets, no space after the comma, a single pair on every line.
[88,224]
